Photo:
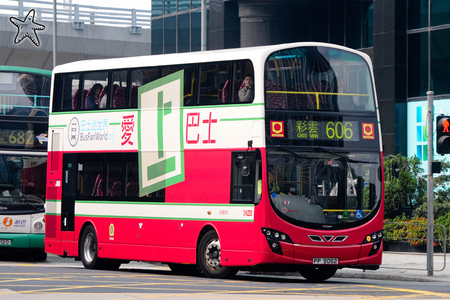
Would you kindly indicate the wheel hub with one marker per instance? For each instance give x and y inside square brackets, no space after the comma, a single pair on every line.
[213,253]
[89,248]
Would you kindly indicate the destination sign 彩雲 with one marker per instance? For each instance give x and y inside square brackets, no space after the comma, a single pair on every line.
[324,130]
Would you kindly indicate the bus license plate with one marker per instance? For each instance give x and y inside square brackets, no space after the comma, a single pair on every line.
[5,242]
[325,261]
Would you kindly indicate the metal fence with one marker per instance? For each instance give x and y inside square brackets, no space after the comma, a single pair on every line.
[406,232]
[78,14]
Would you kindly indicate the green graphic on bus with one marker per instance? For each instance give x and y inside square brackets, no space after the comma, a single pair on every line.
[161,156]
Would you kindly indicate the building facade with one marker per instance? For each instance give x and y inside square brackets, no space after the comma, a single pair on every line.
[407,43]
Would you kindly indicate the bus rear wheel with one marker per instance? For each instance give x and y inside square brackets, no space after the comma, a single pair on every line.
[89,249]
[208,257]
[317,274]
[89,252]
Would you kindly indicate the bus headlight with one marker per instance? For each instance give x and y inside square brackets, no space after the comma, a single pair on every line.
[274,237]
[38,226]
[375,238]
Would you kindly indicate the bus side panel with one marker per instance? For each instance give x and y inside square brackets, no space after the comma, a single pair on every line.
[148,232]
[144,239]
[236,242]
[206,179]
[52,227]
[147,253]
[53,198]
[69,247]
[51,209]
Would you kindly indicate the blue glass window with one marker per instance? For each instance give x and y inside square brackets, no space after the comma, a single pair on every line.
[184,37]
[170,6]
[170,35]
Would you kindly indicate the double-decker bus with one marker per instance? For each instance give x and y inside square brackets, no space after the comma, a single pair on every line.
[167,158]
[24,109]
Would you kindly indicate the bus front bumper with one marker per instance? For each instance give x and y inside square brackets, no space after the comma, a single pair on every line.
[21,240]
[340,256]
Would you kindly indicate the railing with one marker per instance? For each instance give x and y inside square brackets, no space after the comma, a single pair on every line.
[406,233]
[77,14]
[10,101]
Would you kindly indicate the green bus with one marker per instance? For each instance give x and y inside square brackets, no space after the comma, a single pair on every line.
[24,108]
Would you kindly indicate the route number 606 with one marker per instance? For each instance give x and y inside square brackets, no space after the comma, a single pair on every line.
[339,130]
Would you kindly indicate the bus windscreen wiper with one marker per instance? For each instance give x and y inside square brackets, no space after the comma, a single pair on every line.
[295,153]
[344,157]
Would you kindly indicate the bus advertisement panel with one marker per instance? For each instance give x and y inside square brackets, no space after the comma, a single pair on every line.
[175,165]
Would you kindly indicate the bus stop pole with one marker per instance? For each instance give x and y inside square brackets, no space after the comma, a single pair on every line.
[54,33]
[203,26]
[430,181]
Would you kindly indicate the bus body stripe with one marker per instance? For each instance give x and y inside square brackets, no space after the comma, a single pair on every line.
[243,213]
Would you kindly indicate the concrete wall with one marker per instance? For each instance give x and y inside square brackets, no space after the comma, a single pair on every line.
[94,41]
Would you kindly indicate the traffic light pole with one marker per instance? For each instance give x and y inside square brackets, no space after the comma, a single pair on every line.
[430,181]
[203,26]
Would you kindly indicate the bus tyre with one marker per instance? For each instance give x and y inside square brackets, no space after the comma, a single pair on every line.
[89,249]
[317,274]
[110,264]
[39,255]
[183,269]
[208,257]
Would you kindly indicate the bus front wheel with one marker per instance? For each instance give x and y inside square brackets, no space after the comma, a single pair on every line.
[182,269]
[208,257]
[317,274]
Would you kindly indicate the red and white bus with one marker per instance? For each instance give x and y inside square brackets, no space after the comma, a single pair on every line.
[160,158]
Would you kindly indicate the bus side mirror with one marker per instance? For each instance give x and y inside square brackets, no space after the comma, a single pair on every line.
[245,167]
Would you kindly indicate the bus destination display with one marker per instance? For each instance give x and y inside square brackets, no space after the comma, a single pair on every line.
[323,130]
[21,139]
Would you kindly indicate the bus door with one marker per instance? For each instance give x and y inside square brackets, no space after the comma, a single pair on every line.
[69,188]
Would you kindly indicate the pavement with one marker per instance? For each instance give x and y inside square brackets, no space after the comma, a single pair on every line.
[404,266]
[399,266]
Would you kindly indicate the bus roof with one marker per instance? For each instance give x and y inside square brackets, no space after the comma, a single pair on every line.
[25,70]
[188,57]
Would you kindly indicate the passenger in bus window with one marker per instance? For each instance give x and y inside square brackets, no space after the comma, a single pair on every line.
[247,93]
[92,97]
[104,95]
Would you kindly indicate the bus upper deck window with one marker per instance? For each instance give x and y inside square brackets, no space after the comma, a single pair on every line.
[94,83]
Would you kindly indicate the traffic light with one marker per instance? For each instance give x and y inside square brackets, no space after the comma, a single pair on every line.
[395,169]
[443,134]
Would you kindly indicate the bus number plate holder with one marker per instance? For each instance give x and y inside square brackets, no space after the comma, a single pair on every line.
[5,242]
[325,261]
